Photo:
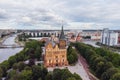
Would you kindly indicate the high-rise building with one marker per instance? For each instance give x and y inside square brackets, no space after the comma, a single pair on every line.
[109,38]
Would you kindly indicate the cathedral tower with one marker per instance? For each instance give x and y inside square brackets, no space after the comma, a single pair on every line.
[62,39]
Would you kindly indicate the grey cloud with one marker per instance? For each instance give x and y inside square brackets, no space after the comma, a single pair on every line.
[3,14]
[46,12]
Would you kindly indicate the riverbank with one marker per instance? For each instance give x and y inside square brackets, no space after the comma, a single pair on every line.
[93,43]
[115,49]
[5,53]
[3,39]
[21,43]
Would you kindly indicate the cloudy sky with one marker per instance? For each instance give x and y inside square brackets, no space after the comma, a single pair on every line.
[50,14]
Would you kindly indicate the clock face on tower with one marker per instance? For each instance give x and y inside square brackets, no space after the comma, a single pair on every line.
[62,43]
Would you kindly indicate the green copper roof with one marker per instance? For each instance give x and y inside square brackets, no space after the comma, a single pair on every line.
[62,36]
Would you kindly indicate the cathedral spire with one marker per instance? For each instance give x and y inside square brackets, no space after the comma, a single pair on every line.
[62,36]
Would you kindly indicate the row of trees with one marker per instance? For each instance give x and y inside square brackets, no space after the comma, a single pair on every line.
[34,72]
[31,52]
[62,74]
[112,57]
[102,68]
[7,64]
[72,55]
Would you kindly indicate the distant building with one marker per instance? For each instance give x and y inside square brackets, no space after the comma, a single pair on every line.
[79,38]
[119,38]
[94,35]
[0,33]
[56,53]
[109,38]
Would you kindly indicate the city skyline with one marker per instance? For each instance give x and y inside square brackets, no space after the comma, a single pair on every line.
[46,14]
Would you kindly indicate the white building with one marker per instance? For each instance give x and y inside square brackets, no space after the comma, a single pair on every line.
[109,37]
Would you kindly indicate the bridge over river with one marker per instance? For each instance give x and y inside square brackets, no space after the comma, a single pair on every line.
[9,47]
[9,42]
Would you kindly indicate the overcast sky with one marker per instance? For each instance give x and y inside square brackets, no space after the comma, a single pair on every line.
[49,14]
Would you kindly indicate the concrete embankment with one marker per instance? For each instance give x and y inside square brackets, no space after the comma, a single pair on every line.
[3,39]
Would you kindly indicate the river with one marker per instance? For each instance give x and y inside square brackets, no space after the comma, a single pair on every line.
[5,53]
[93,43]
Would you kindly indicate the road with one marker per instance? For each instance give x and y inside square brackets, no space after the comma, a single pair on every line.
[86,67]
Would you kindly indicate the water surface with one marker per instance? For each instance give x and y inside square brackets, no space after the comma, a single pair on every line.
[5,53]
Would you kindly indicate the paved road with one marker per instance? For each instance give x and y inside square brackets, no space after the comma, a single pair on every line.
[86,67]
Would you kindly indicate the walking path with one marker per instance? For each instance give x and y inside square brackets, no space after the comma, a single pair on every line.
[86,67]
[78,68]
[81,68]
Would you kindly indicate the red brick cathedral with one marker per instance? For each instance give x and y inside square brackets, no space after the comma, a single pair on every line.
[56,53]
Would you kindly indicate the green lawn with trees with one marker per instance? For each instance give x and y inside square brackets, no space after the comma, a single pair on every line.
[103,63]
[15,68]
[30,52]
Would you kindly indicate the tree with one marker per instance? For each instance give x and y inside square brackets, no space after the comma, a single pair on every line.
[109,73]
[66,74]
[4,66]
[71,55]
[38,52]
[101,61]
[11,74]
[20,56]
[77,77]
[36,70]
[116,77]
[57,74]
[99,68]
[69,49]
[12,60]
[19,37]
[15,66]
[71,59]
[71,78]
[40,79]
[1,73]
[21,66]
[27,68]
[25,75]
[49,76]
[32,44]
[44,73]
[31,62]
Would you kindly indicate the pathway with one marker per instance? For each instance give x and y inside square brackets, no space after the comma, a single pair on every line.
[78,68]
